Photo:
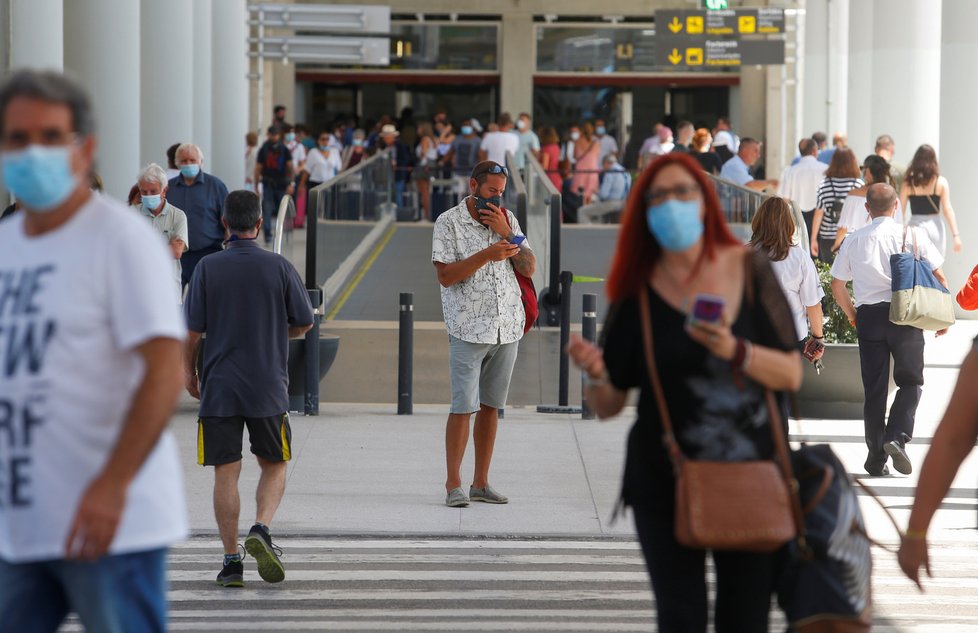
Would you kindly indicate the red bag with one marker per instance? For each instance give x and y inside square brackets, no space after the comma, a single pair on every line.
[528,292]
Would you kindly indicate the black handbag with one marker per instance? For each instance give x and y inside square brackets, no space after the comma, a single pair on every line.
[825,584]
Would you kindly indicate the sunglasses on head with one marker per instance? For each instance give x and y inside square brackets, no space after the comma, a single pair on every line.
[494,169]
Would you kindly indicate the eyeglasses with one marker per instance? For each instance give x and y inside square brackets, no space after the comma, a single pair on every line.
[494,168]
[682,192]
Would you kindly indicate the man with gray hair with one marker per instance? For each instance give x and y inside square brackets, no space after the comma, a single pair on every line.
[201,196]
[864,258]
[91,339]
[250,302]
[170,221]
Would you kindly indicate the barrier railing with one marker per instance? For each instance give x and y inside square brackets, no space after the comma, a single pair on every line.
[543,211]
[284,224]
[739,204]
[363,192]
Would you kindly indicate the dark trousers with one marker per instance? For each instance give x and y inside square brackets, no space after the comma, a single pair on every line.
[188,262]
[809,217]
[825,253]
[878,341]
[745,580]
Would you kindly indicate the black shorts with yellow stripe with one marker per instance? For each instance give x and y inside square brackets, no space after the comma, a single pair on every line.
[219,439]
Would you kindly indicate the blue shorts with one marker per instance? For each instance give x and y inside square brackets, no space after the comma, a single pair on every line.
[115,594]
[480,373]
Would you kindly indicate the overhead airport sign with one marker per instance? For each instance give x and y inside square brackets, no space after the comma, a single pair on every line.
[693,53]
[722,23]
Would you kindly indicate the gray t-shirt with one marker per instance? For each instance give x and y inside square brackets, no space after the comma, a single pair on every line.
[466,155]
[245,299]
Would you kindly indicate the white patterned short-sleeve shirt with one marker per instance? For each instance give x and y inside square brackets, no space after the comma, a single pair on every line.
[486,307]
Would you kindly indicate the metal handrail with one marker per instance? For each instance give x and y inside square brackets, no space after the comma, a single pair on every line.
[552,198]
[316,202]
[286,210]
[735,214]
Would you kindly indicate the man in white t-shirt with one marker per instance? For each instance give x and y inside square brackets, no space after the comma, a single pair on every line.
[800,181]
[864,258]
[91,343]
[495,145]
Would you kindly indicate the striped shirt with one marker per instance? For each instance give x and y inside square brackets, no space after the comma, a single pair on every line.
[831,191]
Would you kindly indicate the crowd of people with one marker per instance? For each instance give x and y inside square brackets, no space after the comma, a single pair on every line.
[90,478]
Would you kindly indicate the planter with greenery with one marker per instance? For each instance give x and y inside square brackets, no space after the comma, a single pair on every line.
[836,393]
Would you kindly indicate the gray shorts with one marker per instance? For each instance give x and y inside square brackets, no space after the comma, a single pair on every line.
[480,373]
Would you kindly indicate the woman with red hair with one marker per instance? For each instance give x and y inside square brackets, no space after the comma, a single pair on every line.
[673,246]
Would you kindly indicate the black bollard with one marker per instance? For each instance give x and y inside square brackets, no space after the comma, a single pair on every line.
[312,354]
[566,280]
[405,356]
[589,328]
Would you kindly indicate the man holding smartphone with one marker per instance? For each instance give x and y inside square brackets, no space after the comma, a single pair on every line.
[476,247]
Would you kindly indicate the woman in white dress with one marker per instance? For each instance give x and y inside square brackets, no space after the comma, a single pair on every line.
[854,214]
[927,192]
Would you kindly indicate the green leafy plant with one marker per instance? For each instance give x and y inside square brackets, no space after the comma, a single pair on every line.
[835,326]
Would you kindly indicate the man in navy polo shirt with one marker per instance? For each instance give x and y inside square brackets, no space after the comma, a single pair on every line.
[249,302]
[201,197]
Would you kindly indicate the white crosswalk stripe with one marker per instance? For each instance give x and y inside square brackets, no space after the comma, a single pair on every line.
[497,584]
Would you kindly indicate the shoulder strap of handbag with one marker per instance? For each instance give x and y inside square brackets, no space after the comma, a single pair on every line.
[774,416]
[913,234]
[930,198]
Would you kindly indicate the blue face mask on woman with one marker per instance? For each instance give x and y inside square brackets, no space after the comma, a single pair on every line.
[40,177]
[675,224]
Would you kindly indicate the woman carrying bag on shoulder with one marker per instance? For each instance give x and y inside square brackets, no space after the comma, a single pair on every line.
[674,246]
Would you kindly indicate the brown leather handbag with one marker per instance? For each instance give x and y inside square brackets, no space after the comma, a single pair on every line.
[749,505]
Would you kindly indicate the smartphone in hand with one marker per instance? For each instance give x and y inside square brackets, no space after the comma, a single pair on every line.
[706,309]
[517,240]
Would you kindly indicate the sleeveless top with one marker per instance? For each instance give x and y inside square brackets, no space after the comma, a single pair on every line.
[925,204]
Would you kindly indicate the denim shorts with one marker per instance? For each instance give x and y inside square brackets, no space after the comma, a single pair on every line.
[480,373]
[115,594]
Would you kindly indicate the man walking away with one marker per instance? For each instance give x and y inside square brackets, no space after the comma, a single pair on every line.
[474,257]
[250,302]
[865,259]
[90,338]
[800,182]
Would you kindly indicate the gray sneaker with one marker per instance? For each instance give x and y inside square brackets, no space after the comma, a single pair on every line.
[487,494]
[456,498]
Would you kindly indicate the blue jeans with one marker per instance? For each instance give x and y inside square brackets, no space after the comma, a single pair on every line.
[115,594]
[271,197]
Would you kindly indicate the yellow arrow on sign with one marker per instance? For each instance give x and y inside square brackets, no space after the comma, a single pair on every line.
[675,58]
[675,26]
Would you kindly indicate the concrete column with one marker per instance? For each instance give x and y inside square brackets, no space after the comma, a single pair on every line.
[907,73]
[229,96]
[283,89]
[836,80]
[102,49]
[203,73]
[37,34]
[862,137]
[517,60]
[959,93]
[815,116]
[167,91]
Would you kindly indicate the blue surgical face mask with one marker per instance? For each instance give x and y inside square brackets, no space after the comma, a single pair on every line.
[675,224]
[152,203]
[289,137]
[600,130]
[466,130]
[190,171]
[358,142]
[39,177]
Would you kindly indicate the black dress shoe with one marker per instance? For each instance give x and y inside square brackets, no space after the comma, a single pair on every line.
[881,472]
[901,461]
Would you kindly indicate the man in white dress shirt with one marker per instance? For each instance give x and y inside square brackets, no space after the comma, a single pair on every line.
[800,181]
[864,258]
